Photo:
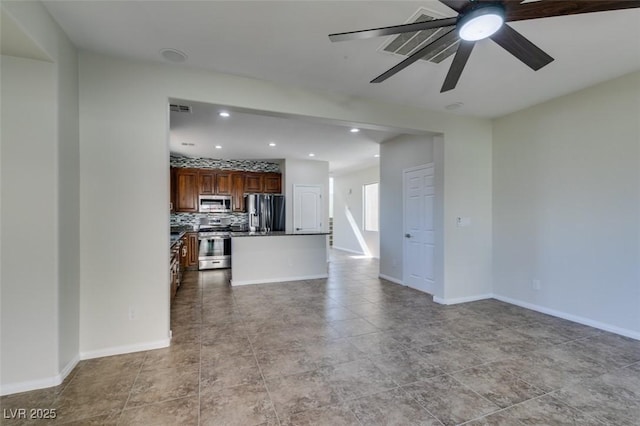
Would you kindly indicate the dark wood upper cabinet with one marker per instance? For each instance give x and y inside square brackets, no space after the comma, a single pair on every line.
[272,183]
[187,184]
[253,182]
[206,182]
[186,190]
[223,183]
[237,192]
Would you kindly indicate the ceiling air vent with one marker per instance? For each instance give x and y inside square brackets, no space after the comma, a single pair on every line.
[406,44]
[179,108]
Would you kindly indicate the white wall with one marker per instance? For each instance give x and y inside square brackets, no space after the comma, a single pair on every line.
[466,177]
[304,172]
[124,156]
[29,291]
[347,194]
[567,205]
[395,156]
[40,161]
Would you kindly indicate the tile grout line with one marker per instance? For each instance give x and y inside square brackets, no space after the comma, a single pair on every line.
[264,380]
[132,386]
[419,403]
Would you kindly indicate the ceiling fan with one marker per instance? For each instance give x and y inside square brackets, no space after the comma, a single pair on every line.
[480,19]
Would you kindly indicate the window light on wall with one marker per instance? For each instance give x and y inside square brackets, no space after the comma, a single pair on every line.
[370,193]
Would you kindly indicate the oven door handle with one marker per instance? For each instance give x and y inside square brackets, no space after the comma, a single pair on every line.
[213,238]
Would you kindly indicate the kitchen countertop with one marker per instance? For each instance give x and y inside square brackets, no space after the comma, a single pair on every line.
[273,234]
[175,236]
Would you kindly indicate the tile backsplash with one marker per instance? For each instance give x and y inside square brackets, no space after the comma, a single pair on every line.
[212,163]
[190,219]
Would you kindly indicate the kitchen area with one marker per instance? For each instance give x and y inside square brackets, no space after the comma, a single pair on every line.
[233,214]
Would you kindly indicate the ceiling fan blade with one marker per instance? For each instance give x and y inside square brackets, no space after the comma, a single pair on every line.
[459,61]
[520,47]
[456,5]
[396,29]
[546,9]
[443,40]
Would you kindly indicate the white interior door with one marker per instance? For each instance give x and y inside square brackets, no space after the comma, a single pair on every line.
[419,242]
[308,209]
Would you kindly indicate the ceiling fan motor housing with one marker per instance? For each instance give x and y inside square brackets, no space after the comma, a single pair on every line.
[481,21]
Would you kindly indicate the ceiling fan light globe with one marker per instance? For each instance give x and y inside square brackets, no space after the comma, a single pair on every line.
[480,23]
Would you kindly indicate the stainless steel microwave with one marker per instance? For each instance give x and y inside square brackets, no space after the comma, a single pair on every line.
[214,203]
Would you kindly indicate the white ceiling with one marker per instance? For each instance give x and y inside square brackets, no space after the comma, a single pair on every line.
[246,135]
[286,42]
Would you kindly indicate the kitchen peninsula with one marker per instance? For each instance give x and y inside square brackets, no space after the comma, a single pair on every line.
[277,257]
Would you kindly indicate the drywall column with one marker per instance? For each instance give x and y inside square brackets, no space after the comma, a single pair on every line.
[29,229]
[40,200]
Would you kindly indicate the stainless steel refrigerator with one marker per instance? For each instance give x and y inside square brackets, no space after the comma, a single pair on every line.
[266,212]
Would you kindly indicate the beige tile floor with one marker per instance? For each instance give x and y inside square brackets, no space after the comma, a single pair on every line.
[352,349]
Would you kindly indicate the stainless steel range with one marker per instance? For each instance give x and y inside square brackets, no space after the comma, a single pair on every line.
[214,245]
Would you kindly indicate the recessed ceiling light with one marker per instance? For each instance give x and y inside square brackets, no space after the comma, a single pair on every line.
[173,55]
[377,155]
[272,144]
[354,130]
[453,106]
[311,154]
[224,114]
[218,146]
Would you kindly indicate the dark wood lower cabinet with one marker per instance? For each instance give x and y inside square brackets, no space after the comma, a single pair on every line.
[192,250]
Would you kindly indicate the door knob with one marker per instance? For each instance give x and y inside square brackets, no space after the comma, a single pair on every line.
[407,235]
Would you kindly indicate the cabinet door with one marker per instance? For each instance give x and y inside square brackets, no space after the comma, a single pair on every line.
[206,182]
[186,190]
[184,252]
[237,192]
[192,249]
[253,182]
[223,183]
[272,183]
[172,190]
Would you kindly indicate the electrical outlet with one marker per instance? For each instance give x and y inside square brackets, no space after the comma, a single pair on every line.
[132,313]
[535,284]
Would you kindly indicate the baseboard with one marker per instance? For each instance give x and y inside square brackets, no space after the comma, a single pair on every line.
[69,367]
[457,300]
[30,385]
[392,279]
[119,350]
[278,280]
[348,250]
[575,318]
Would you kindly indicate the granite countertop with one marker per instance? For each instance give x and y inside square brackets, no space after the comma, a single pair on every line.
[273,234]
[175,236]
